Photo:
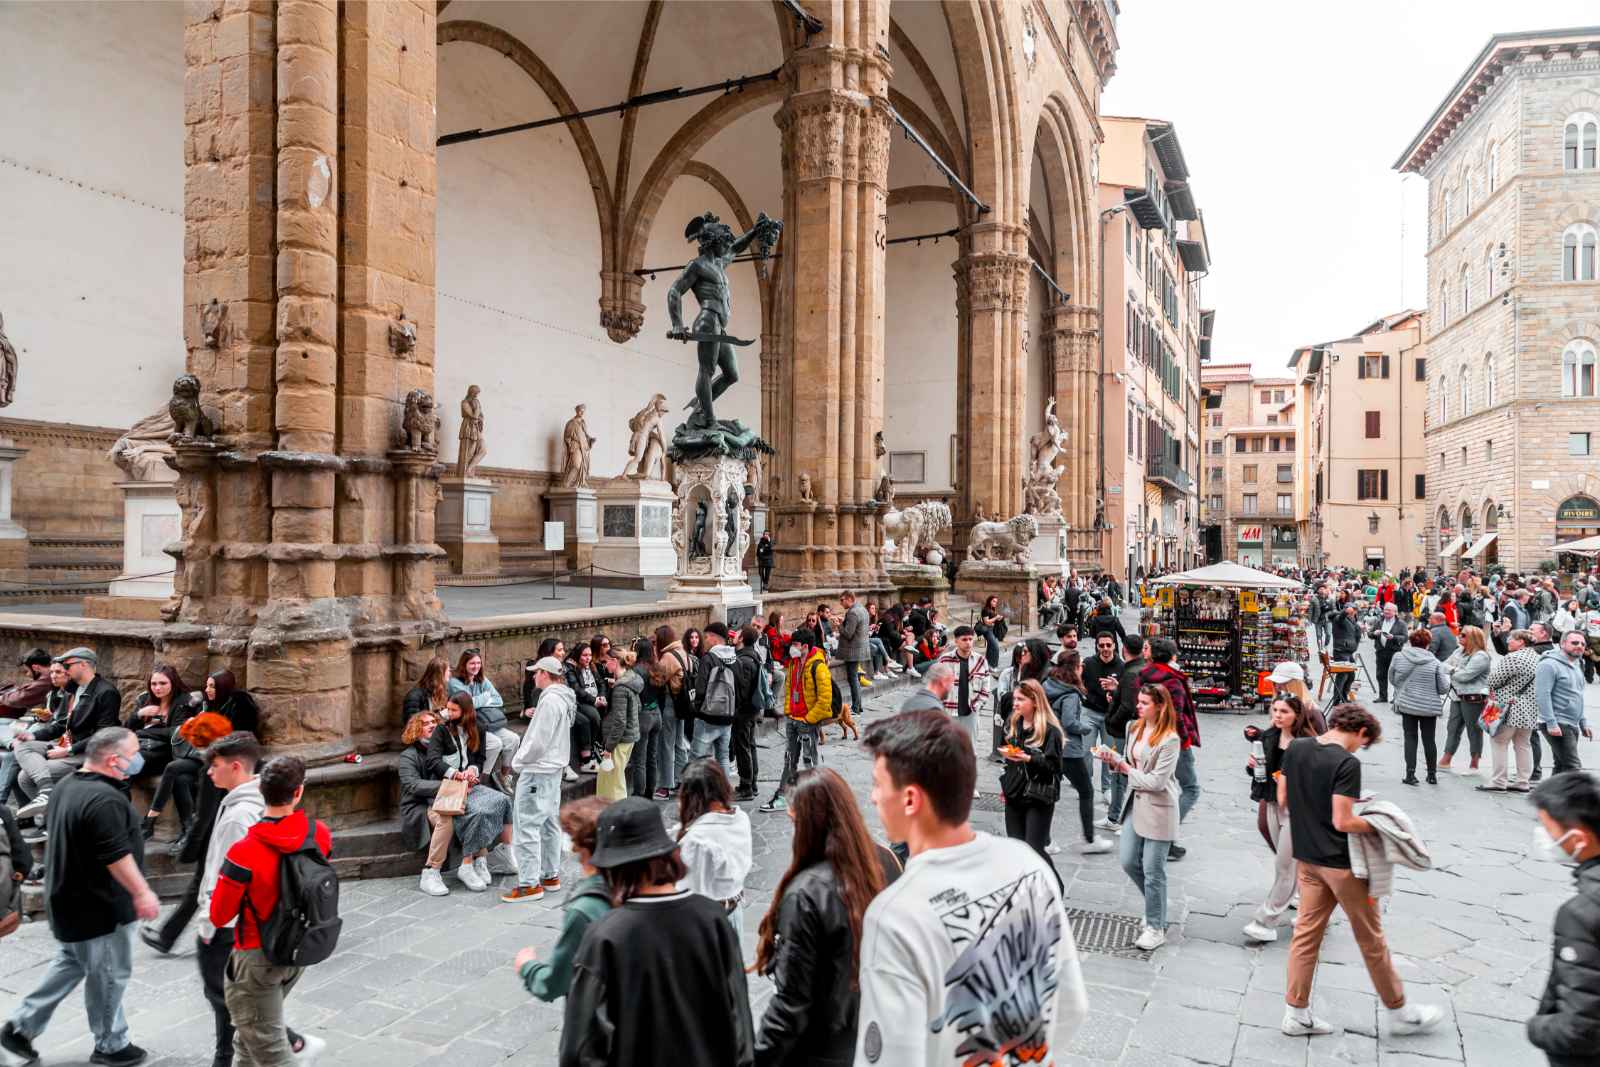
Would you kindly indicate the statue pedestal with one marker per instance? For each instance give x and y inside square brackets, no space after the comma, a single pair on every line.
[151,520]
[635,546]
[13,538]
[576,509]
[462,527]
[1016,584]
[1049,549]
[711,534]
[916,581]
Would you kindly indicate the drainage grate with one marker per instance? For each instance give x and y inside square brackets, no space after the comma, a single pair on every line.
[1108,935]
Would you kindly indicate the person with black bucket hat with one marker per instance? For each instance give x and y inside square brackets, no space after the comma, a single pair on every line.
[659,980]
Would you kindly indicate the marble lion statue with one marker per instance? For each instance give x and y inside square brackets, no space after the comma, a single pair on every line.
[915,527]
[188,419]
[1006,541]
[421,425]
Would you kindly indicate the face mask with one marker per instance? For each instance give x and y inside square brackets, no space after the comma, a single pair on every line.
[795,651]
[135,765]
[1549,848]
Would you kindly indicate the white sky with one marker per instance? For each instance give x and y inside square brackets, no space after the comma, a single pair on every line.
[1291,115]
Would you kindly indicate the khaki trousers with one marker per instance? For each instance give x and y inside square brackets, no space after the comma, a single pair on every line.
[1520,741]
[1320,889]
[254,994]
[439,844]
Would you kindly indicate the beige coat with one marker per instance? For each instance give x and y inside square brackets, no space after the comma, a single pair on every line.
[1155,787]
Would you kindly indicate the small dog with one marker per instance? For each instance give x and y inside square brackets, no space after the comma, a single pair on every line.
[844,720]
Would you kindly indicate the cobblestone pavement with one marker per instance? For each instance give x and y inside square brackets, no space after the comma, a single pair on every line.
[422,980]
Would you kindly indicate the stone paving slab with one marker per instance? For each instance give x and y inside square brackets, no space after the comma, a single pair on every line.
[422,980]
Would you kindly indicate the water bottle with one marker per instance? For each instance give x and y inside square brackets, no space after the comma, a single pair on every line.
[1260,755]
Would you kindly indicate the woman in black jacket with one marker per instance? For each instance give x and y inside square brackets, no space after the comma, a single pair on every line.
[456,751]
[224,698]
[165,705]
[1031,782]
[431,691]
[811,935]
[589,683]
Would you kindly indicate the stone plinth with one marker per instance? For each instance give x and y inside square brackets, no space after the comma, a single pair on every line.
[710,566]
[1049,550]
[1016,584]
[579,514]
[914,581]
[13,538]
[462,528]
[635,550]
[152,520]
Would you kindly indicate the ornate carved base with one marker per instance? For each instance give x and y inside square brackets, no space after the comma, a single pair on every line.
[711,532]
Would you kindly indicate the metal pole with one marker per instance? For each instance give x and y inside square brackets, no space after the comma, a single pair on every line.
[552,595]
[591,583]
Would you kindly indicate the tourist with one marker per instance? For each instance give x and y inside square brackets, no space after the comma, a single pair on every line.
[764,559]
[992,628]
[1030,658]
[1387,640]
[588,900]
[659,980]
[922,934]
[94,705]
[878,651]
[224,697]
[855,652]
[498,738]
[925,652]
[419,823]
[1151,764]
[693,641]
[94,890]
[231,763]
[455,750]
[1163,672]
[807,700]
[1447,608]
[714,838]
[1589,623]
[1063,690]
[537,802]
[1321,614]
[589,686]
[165,705]
[1567,1022]
[1101,673]
[246,890]
[1320,785]
[619,733]
[777,638]
[1291,719]
[1442,640]
[31,687]
[749,671]
[58,704]
[1469,682]
[1417,680]
[431,690]
[677,713]
[935,688]
[716,698]
[1346,637]
[1103,619]
[1511,683]
[969,699]
[1031,783]
[1558,691]
[1124,711]
[810,937]
[646,756]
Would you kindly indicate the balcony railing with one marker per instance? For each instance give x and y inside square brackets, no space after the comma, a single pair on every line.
[1169,473]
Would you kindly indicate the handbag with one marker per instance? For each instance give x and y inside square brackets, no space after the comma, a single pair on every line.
[1491,718]
[451,799]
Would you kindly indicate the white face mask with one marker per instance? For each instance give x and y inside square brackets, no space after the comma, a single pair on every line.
[796,650]
[1549,848]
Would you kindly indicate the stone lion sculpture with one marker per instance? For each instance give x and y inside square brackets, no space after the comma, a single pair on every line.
[188,418]
[915,527]
[421,425]
[1003,541]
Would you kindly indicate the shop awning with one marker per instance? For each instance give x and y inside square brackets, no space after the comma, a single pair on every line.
[1479,545]
[1228,576]
[1453,547]
[1584,546]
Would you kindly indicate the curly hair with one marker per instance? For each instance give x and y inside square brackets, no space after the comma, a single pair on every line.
[414,726]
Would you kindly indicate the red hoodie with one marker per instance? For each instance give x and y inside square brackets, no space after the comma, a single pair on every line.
[251,867]
[1177,684]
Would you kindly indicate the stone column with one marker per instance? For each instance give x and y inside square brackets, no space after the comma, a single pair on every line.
[835,132]
[995,286]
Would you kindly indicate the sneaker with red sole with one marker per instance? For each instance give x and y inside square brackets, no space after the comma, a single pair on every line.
[551,884]
[520,893]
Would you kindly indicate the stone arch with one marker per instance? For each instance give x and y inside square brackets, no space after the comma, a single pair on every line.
[977,37]
[481,33]
[947,119]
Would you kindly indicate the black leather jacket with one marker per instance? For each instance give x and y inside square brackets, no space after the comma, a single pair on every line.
[1567,1024]
[811,1018]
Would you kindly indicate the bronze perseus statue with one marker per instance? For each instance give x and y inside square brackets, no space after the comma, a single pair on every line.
[707,278]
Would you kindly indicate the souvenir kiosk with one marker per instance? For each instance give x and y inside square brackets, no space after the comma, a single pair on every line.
[1232,625]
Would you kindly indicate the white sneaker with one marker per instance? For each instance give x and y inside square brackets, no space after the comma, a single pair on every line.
[590,767]
[880,676]
[1099,844]
[312,1048]
[1299,1022]
[36,806]
[1150,939]
[568,774]
[976,794]
[1257,932]
[1414,1019]
[480,867]
[913,672]
[432,883]
[1106,822]
[501,861]
[470,879]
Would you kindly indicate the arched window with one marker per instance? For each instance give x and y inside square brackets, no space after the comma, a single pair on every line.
[1444,305]
[1465,403]
[1580,140]
[1467,192]
[1577,369]
[1444,398]
[1489,171]
[1488,380]
[1491,517]
[1466,521]
[1488,273]
[1578,253]
[1466,289]
[1449,208]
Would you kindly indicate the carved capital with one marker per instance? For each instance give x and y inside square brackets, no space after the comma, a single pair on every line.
[621,309]
[815,128]
[994,281]
[875,146]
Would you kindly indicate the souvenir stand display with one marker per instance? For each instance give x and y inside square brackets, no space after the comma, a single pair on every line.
[1232,625]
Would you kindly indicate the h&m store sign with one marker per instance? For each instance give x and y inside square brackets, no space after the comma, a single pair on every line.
[1249,535]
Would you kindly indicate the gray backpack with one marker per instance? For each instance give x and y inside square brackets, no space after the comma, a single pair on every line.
[720,699]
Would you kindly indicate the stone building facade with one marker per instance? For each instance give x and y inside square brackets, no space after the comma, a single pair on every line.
[1513,414]
[1250,467]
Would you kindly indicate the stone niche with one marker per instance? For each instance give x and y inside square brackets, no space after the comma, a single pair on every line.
[711,533]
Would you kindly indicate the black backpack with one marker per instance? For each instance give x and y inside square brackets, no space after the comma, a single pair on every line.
[838,698]
[304,927]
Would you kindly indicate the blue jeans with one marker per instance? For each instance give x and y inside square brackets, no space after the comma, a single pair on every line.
[8,775]
[536,833]
[103,965]
[852,669]
[1188,782]
[880,654]
[1119,784]
[711,740]
[1098,735]
[1146,863]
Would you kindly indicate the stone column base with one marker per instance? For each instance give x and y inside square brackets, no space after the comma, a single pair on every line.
[1016,584]
[151,520]
[914,581]
[463,528]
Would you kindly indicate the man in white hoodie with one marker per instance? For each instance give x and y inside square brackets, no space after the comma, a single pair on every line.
[231,765]
[536,803]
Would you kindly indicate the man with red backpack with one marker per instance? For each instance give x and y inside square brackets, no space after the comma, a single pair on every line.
[809,696]
[269,941]
[1162,672]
